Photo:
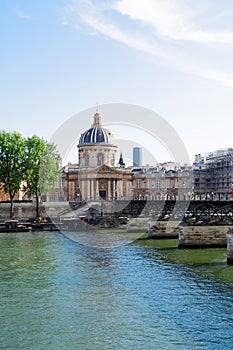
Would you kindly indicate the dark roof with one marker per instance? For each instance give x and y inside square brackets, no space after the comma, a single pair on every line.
[95,135]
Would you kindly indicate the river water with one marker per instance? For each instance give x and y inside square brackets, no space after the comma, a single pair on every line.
[58,294]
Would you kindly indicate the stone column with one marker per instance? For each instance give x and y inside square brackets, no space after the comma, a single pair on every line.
[97,188]
[109,189]
[230,247]
[113,188]
[83,189]
[88,184]
[91,196]
[119,189]
[127,189]
[92,189]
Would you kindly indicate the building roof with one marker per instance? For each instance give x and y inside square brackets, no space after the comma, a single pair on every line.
[96,134]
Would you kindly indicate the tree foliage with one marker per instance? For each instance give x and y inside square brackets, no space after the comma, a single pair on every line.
[12,153]
[41,167]
[31,162]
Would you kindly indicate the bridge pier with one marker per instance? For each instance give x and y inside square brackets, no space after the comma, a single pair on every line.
[198,236]
[230,247]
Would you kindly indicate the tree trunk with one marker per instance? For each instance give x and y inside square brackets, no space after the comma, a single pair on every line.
[37,206]
[12,208]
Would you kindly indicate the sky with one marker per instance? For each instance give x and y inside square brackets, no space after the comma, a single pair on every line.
[174,57]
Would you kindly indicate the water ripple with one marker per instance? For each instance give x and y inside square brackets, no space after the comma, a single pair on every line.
[57,294]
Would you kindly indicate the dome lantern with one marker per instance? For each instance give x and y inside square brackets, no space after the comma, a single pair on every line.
[96,146]
[96,134]
[97,121]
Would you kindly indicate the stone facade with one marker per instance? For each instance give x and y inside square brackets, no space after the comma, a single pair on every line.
[97,176]
[104,182]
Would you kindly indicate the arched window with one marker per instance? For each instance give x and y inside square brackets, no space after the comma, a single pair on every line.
[87,159]
[100,159]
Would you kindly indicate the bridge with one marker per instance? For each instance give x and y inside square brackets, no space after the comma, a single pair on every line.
[206,211]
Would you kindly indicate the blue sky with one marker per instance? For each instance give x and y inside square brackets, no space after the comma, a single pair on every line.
[59,57]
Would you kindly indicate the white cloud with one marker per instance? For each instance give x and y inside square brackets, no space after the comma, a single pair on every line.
[163,29]
[113,32]
[95,18]
[64,22]
[20,13]
[220,77]
[172,19]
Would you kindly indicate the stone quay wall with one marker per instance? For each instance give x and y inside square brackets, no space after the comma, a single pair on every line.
[155,229]
[230,246]
[203,236]
[137,225]
[163,229]
[26,210]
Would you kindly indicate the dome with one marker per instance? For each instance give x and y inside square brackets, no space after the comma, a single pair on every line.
[96,134]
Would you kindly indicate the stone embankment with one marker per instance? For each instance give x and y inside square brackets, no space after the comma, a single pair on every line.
[26,210]
[163,229]
[200,236]
[155,229]
[230,247]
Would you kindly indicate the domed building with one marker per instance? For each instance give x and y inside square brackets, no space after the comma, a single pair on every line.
[97,175]
[96,146]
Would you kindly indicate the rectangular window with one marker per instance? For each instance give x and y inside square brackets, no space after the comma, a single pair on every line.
[61,184]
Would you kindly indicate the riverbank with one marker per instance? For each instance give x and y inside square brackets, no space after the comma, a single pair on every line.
[24,210]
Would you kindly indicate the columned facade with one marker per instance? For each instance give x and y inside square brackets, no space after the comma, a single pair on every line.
[97,177]
[103,183]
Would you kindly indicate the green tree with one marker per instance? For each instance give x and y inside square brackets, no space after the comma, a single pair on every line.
[12,153]
[41,168]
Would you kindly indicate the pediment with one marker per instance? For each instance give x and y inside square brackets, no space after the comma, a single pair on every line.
[104,171]
[107,169]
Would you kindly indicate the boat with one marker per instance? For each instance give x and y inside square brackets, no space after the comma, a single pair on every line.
[14,226]
[44,226]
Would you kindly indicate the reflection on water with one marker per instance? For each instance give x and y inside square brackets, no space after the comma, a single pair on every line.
[103,238]
[58,294]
